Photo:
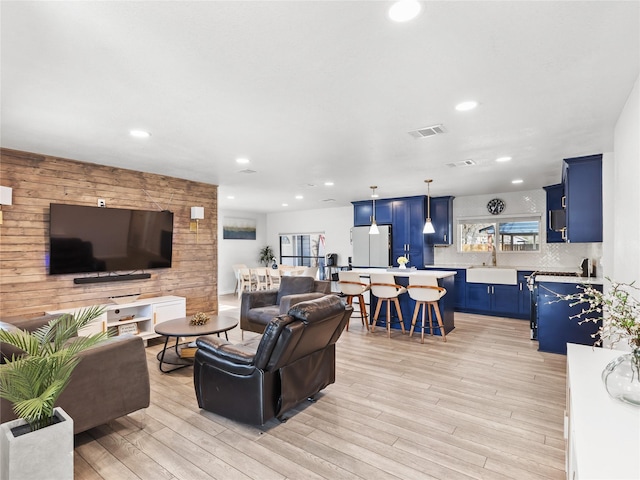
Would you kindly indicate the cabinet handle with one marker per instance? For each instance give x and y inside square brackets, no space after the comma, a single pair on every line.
[492,290]
[155,315]
[564,201]
[104,327]
[564,233]
[445,238]
[488,291]
[520,286]
[549,221]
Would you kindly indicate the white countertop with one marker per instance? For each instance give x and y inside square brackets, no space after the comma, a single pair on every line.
[364,272]
[521,268]
[569,279]
[605,432]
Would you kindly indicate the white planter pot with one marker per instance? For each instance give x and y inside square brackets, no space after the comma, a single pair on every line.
[44,453]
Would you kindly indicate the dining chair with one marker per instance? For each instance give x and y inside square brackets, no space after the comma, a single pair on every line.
[310,272]
[274,277]
[262,280]
[384,287]
[236,272]
[425,291]
[246,281]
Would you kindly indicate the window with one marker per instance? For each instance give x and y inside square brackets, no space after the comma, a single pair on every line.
[303,250]
[514,235]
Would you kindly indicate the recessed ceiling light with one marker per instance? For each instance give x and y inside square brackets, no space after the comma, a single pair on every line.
[503,159]
[299,197]
[242,160]
[231,197]
[404,10]
[285,204]
[518,180]
[328,184]
[466,106]
[139,133]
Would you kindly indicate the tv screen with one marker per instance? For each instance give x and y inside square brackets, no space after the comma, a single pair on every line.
[94,239]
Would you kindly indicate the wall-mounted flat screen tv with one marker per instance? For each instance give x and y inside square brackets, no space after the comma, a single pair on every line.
[94,239]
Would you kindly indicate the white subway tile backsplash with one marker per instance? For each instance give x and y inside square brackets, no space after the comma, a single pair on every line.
[551,255]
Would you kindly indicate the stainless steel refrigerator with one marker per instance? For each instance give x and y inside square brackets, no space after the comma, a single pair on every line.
[371,250]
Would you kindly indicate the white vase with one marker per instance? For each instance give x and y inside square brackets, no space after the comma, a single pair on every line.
[43,453]
[402,265]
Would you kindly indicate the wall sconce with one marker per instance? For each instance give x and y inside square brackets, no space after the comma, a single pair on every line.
[6,194]
[197,214]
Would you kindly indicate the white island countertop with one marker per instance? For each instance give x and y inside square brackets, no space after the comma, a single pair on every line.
[604,433]
[405,272]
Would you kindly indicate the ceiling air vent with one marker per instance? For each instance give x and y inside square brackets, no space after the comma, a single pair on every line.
[461,163]
[247,170]
[428,131]
[329,200]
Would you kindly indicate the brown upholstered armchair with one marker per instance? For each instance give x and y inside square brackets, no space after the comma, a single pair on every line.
[258,308]
[263,378]
[111,380]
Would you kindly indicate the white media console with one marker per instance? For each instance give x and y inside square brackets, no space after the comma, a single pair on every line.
[138,317]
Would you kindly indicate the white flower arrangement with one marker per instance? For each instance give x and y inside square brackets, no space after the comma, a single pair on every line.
[402,260]
[622,311]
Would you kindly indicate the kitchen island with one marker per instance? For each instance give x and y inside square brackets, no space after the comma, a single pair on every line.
[407,304]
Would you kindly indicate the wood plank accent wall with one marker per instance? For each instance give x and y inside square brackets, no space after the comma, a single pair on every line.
[38,180]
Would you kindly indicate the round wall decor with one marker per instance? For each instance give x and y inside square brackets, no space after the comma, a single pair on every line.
[495,206]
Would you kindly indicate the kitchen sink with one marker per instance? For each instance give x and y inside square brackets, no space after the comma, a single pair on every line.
[505,276]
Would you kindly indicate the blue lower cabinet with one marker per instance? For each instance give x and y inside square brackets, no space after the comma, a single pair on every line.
[493,299]
[407,306]
[555,327]
[479,297]
[524,294]
[460,282]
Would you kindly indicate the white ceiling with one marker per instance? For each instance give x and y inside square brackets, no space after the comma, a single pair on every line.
[319,91]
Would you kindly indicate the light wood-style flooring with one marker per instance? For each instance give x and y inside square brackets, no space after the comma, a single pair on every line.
[485,404]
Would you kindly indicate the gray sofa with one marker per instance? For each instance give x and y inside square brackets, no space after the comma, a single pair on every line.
[257,309]
[111,380]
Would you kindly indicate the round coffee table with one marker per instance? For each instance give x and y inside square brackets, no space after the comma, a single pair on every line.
[180,327]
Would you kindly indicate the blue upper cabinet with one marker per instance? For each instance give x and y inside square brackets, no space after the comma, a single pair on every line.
[406,215]
[363,212]
[409,214]
[582,179]
[442,219]
[555,213]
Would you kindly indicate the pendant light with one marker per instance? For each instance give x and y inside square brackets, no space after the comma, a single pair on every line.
[373,230]
[428,226]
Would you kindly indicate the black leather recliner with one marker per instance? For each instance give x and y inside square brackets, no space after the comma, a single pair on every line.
[261,379]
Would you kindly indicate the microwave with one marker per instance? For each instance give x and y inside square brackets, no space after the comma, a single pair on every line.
[557,220]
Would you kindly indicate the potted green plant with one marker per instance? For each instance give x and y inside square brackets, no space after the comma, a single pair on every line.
[266,256]
[32,382]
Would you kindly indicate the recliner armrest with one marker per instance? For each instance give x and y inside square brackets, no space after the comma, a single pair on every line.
[289,301]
